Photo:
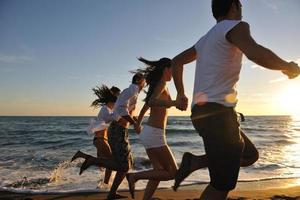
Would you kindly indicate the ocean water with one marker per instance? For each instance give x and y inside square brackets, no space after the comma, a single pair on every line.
[35,152]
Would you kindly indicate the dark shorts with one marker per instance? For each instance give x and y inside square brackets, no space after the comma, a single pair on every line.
[219,127]
[102,146]
[119,144]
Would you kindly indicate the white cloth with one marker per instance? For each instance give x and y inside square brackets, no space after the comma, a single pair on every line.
[152,137]
[105,116]
[126,101]
[218,66]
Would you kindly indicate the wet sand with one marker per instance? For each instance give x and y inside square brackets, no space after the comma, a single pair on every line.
[280,189]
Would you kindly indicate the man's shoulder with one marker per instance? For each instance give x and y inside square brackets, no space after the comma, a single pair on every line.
[242,25]
[240,30]
[125,91]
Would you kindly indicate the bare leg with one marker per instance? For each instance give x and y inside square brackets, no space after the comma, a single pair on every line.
[102,162]
[152,184]
[150,189]
[161,157]
[211,193]
[111,164]
[78,154]
[250,154]
[107,176]
[191,163]
[117,181]
[165,158]
[103,150]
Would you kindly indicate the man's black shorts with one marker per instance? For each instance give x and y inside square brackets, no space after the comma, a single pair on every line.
[219,127]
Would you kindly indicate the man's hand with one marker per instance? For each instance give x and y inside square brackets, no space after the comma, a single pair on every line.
[293,70]
[181,102]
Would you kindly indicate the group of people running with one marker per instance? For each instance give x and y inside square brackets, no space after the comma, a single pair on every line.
[218,56]
[116,115]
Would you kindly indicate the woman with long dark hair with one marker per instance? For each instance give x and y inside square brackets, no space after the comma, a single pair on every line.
[106,98]
[153,136]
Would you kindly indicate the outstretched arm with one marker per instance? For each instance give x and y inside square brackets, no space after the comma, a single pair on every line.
[178,61]
[241,37]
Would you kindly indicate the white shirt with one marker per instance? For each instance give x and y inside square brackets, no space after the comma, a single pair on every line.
[126,101]
[105,116]
[218,66]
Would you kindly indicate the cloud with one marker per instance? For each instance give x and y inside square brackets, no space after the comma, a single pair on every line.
[272,4]
[15,59]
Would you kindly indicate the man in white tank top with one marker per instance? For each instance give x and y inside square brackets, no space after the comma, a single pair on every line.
[218,56]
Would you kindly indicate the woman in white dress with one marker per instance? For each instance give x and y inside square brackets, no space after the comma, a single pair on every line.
[106,99]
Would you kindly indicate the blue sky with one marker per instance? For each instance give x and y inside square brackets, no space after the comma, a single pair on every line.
[53,52]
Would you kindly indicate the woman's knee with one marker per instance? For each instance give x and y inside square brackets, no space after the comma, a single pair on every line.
[172,172]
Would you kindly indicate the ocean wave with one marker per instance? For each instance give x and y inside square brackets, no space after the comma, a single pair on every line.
[266,167]
[182,143]
[281,142]
[29,183]
[262,129]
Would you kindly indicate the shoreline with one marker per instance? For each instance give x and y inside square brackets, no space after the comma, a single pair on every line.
[266,189]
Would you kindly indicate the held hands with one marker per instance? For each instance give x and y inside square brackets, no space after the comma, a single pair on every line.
[181,102]
[293,70]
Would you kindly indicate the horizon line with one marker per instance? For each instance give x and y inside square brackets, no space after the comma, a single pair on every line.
[263,115]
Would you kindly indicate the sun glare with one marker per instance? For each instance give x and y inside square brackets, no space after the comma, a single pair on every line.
[289,100]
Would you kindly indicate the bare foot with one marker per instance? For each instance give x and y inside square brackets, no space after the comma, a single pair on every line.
[78,154]
[184,170]
[86,164]
[131,184]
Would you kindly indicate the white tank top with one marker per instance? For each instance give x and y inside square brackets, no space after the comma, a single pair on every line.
[218,67]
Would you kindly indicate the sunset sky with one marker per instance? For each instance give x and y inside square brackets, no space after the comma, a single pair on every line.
[53,52]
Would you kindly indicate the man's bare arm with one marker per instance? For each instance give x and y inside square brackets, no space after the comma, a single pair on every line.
[241,37]
[178,61]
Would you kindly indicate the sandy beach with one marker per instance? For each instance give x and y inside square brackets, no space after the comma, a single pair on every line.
[279,189]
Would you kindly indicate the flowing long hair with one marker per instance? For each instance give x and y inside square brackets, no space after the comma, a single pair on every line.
[104,95]
[153,73]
